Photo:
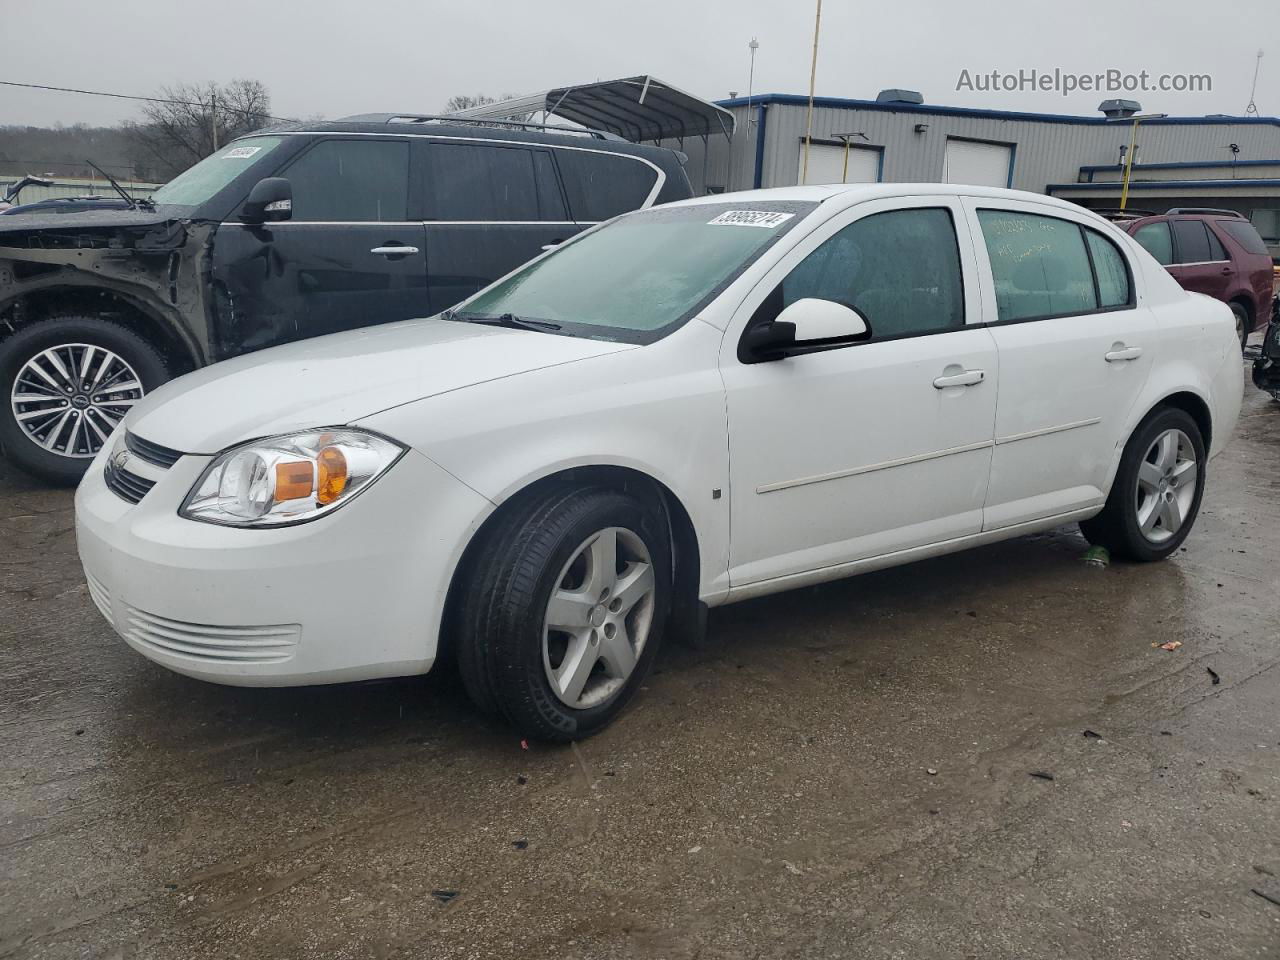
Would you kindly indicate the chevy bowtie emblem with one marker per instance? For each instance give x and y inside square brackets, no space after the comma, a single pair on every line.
[120,458]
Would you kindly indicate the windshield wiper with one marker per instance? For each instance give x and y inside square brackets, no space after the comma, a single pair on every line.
[501,320]
[130,199]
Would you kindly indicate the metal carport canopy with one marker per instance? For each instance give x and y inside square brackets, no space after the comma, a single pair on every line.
[635,108]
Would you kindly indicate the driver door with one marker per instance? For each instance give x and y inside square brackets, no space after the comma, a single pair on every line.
[873,447]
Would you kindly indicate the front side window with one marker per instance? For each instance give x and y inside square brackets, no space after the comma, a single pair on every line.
[1155,239]
[351,180]
[1191,242]
[491,184]
[196,185]
[900,268]
[1039,264]
[638,278]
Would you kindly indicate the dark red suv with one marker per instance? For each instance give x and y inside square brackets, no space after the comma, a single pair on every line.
[1214,252]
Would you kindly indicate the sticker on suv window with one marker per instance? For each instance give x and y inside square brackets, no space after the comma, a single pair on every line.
[751,218]
[240,153]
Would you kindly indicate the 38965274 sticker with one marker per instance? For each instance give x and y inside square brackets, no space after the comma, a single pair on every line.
[751,218]
[240,153]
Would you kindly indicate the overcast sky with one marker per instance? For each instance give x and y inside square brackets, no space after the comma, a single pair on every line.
[336,57]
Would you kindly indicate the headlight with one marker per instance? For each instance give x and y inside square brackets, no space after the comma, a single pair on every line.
[290,479]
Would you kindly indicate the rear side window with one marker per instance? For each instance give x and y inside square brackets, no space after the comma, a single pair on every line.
[351,180]
[484,182]
[901,268]
[1191,242]
[1244,233]
[1111,270]
[603,185]
[1157,241]
[1039,264]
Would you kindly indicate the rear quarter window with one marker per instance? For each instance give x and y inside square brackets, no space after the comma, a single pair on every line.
[1243,233]
[602,185]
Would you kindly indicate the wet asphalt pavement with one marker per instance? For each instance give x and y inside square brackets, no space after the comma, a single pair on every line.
[899,765]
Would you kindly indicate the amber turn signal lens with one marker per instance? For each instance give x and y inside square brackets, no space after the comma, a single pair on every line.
[332,470]
[294,480]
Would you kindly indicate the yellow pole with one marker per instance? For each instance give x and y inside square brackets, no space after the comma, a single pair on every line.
[813,76]
[1128,165]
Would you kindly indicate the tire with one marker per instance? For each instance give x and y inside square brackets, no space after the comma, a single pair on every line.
[508,655]
[1119,526]
[58,447]
[1242,323]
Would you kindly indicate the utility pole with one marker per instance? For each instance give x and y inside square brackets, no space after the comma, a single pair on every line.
[213,116]
[813,76]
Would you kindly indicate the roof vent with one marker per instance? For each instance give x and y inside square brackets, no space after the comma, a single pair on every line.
[899,96]
[1119,109]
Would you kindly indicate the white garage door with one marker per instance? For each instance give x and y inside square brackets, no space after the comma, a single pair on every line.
[980,164]
[826,164]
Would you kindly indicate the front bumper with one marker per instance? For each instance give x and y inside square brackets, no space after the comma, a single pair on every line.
[353,595]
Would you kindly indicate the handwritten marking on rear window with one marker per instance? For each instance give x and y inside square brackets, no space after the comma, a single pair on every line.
[751,218]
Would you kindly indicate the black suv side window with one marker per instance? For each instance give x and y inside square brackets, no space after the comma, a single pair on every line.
[490,183]
[351,180]
[603,185]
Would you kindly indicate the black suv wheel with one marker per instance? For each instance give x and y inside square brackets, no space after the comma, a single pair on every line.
[66,382]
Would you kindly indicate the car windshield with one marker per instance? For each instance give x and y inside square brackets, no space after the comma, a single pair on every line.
[637,278]
[195,186]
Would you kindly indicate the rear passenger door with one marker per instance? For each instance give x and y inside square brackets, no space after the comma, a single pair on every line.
[1200,263]
[489,208]
[1075,349]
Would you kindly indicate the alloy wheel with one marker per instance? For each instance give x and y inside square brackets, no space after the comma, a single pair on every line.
[598,618]
[67,399]
[1166,486]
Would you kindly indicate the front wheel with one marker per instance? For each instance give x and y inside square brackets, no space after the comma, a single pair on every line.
[1157,491]
[567,602]
[66,383]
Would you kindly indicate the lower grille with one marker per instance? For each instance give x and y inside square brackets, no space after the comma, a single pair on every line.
[98,594]
[125,485]
[270,643]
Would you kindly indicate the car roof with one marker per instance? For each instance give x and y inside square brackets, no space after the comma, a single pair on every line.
[473,130]
[850,193]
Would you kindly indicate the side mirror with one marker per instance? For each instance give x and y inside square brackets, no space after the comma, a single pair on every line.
[806,326]
[270,200]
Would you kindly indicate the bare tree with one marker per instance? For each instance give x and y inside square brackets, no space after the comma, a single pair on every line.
[195,120]
[464,102]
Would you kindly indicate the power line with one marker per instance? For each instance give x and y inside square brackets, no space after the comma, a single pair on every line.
[127,96]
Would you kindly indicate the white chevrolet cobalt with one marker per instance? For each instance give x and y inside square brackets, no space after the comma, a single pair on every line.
[683,407]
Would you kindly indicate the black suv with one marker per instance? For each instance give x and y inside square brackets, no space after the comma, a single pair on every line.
[281,235]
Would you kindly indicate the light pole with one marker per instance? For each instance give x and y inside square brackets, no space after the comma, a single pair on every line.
[1136,119]
[813,76]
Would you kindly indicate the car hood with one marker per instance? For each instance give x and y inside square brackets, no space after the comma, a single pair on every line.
[341,378]
[12,224]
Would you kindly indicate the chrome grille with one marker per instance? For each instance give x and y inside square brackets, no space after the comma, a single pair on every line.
[125,485]
[151,452]
[268,643]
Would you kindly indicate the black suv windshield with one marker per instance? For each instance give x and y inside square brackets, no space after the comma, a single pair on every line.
[198,184]
[639,277]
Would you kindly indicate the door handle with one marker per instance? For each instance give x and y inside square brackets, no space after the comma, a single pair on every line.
[394,251]
[965,379]
[1120,353]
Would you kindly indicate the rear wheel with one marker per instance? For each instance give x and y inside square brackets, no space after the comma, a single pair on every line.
[66,383]
[1156,495]
[563,619]
[1242,324]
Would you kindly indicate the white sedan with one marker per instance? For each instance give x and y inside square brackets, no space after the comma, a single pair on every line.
[683,407]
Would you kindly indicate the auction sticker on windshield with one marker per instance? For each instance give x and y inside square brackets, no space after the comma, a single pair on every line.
[751,218]
[240,153]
